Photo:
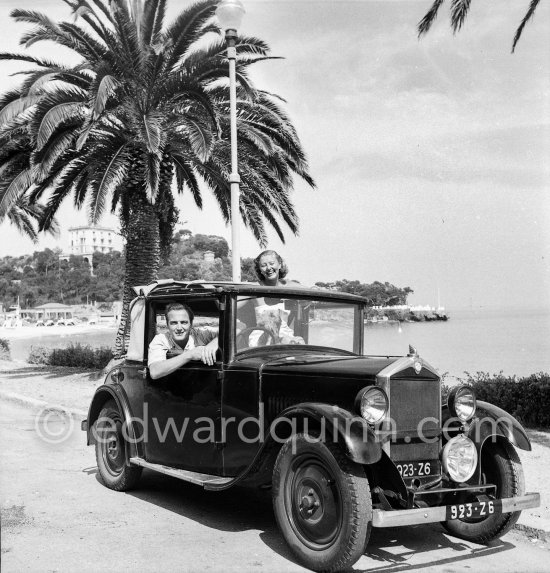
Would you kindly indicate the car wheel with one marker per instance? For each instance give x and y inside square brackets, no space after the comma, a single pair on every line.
[322,503]
[500,465]
[110,450]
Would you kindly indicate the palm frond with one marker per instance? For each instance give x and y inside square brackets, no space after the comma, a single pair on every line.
[84,42]
[127,35]
[187,27]
[200,138]
[107,86]
[55,117]
[99,4]
[529,14]
[82,9]
[31,59]
[14,190]
[113,176]
[186,178]
[429,18]
[153,20]
[10,111]
[152,132]
[32,17]
[54,152]
[459,11]
[262,142]
[25,215]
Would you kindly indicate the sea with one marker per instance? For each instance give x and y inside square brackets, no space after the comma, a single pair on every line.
[510,341]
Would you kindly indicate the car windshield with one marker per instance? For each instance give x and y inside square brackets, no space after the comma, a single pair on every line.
[263,321]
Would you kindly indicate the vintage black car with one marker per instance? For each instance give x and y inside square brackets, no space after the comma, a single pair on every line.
[346,441]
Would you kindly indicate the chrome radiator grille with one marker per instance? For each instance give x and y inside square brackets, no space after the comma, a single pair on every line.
[414,407]
[414,400]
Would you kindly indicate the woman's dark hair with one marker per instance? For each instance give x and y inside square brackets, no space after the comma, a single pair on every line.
[283,271]
[178,306]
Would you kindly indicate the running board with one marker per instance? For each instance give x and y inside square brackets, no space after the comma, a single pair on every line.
[193,477]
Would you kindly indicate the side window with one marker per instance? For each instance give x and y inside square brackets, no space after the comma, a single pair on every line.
[206,321]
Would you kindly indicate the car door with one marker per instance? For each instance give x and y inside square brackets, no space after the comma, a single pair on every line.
[183,409]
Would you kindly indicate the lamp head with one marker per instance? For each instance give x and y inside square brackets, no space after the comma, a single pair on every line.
[230,14]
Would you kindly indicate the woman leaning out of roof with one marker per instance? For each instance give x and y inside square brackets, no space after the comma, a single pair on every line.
[272,270]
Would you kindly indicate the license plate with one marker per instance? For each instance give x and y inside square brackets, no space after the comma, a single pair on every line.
[417,469]
[473,510]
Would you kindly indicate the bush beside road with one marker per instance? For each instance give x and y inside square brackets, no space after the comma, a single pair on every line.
[72,389]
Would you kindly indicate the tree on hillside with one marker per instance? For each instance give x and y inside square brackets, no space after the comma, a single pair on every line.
[146,103]
[248,271]
[459,11]
[377,293]
[42,277]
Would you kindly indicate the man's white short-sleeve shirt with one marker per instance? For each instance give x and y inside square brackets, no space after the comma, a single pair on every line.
[162,344]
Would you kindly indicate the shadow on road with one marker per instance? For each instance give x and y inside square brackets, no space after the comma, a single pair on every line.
[393,549]
[234,510]
[243,509]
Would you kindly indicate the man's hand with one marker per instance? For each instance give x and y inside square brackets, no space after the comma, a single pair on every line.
[206,354]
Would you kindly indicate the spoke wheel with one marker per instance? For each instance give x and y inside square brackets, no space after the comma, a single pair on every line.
[501,466]
[111,451]
[322,503]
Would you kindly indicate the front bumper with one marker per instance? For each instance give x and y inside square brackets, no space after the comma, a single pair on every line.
[395,518]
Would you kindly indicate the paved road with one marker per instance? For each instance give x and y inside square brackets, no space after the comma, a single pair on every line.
[56,516]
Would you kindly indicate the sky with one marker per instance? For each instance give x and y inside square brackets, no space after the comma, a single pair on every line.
[431,157]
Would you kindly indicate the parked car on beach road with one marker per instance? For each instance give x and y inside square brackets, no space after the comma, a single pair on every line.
[346,441]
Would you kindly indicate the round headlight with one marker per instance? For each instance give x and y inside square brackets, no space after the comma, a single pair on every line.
[460,458]
[372,404]
[462,402]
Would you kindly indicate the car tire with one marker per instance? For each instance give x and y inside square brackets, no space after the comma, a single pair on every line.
[501,466]
[110,450]
[322,503]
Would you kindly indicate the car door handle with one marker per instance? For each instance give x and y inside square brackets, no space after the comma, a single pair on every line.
[143,373]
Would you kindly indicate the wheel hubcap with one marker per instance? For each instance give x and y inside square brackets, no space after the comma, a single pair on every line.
[113,454]
[313,502]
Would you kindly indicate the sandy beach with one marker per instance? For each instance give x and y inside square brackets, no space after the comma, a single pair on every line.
[22,339]
[61,331]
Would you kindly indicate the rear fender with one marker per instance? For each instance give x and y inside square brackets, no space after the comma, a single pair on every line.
[352,432]
[102,395]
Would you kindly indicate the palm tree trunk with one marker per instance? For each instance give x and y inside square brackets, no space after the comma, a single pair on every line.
[142,258]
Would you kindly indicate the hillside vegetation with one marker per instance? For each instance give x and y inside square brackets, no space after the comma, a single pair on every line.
[42,277]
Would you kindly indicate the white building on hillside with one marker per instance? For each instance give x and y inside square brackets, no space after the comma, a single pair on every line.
[87,240]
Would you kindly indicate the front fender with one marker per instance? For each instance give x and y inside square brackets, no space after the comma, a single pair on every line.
[490,420]
[360,442]
[103,394]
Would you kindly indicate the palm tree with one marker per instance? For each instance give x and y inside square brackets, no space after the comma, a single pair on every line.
[459,11]
[145,104]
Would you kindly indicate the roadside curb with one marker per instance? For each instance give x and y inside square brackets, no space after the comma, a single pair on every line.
[533,532]
[42,404]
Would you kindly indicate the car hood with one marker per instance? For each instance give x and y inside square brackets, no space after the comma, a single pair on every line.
[321,364]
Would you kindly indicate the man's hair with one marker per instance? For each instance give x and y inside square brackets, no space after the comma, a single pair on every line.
[178,306]
[283,271]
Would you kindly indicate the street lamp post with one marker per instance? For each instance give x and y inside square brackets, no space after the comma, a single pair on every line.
[230,14]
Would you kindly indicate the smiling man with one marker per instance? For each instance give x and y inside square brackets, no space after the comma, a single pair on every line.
[181,344]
